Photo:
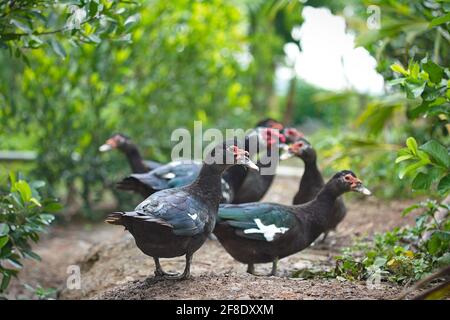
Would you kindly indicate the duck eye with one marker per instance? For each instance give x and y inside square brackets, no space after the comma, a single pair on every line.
[347,178]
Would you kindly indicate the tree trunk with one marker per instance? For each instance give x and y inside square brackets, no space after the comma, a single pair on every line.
[289,110]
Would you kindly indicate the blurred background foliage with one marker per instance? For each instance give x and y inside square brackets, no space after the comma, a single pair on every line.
[74,72]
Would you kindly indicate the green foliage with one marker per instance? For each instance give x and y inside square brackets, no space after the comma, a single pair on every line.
[403,254]
[24,214]
[426,164]
[180,66]
[42,24]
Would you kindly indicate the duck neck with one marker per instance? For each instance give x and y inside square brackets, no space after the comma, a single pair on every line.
[135,159]
[208,183]
[318,213]
[311,175]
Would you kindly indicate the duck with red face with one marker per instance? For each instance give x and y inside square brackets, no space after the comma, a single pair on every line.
[265,232]
[124,144]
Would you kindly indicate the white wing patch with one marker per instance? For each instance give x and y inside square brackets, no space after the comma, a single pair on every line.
[268,231]
[193,216]
[169,175]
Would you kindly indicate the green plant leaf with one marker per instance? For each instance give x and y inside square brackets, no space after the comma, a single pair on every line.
[5,282]
[414,88]
[435,72]
[411,168]
[24,190]
[4,229]
[399,69]
[58,48]
[411,143]
[403,158]
[3,241]
[422,181]
[438,152]
[444,185]
[440,20]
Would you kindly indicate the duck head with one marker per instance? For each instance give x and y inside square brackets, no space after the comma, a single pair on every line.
[226,155]
[292,135]
[301,148]
[116,141]
[346,180]
[270,123]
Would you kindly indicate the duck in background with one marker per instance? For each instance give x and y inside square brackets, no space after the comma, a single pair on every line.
[266,232]
[124,144]
[312,181]
[179,173]
[175,222]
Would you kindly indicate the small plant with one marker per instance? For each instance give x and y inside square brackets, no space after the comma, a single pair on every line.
[24,215]
[403,254]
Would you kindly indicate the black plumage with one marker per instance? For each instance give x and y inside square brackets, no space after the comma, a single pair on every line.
[265,232]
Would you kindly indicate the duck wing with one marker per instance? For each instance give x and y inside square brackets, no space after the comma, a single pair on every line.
[258,221]
[175,208]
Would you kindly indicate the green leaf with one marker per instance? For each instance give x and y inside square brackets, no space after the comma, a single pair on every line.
[399,69]
[52,207]
[22,26]
[4,229]
[434,71]
[5,282]
[411,168]
[438,152]
[440,20]
[47,218]
[414,88]
[3,241]
[403,158]
[24,190]
[411,143]
[444,185]
[422,181]
[58,48]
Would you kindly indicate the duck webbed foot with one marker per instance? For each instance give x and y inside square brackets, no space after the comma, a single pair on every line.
[162,275]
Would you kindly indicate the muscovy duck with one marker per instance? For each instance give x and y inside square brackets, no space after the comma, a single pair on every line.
[124,144]
[265,232]
[172,175]
[175,222]
[312,181]
[256,184]
[179,173]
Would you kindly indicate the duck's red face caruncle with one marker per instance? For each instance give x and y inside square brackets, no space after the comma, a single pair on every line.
[356,184]
[292,134]
[116,141]
[242,157]
[272,136]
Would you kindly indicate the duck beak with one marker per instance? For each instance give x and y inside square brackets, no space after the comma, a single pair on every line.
[362,189]
[245,161]
[105,147]
[286,152]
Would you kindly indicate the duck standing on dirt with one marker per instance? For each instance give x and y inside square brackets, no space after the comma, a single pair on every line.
[124,144]
[312,181]
[265,232]
[176,222]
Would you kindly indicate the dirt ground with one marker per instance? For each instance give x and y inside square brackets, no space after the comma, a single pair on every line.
[113,268]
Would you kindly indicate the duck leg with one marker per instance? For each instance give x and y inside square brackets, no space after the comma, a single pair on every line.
[274,267]
[159,272]
[251,269]
[171,276]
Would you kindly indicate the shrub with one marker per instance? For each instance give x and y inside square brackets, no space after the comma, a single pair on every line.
[24,215]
